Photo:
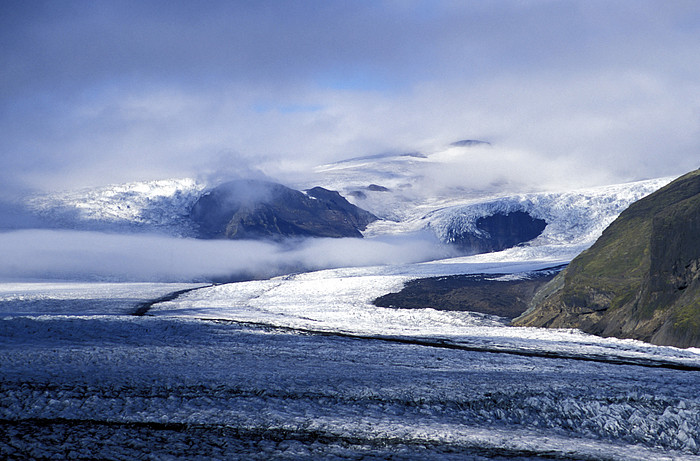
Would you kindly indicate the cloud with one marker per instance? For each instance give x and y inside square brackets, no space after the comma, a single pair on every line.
[103,92]
[73,255]
[94,92]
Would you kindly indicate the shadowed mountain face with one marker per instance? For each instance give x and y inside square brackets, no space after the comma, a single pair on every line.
[499,231]
[640,280]
[251,209]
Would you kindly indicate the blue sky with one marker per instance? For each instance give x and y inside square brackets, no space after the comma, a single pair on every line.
[96,92]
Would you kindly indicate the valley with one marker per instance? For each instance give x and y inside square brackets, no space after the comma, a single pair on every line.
[395,345]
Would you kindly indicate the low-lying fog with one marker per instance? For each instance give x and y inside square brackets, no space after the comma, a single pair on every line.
[77,255]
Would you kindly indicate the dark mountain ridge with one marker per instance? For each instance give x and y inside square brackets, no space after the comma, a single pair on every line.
[254,209]
[484,293]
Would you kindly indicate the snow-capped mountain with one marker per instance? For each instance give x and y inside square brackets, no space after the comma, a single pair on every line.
[402,189]
[160,206]
[393,187]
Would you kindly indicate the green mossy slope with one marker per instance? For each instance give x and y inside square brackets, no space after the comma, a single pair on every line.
[640,279]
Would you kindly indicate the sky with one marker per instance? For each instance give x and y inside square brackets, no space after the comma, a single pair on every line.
[99,92]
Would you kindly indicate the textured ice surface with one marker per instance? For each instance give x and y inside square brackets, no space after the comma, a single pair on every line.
[304,366]
[573,218]
[340,300]
[71,298]
[415,198]
[155,387]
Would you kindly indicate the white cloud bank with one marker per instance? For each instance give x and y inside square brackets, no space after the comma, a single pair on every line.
[603,91]
[73,255]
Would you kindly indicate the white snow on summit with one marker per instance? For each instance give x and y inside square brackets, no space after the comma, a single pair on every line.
[409,199]
[152,205]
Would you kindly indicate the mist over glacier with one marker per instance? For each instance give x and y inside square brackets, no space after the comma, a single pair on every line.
[140,231]
[83,255]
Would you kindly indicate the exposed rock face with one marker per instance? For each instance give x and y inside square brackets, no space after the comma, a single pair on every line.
[251,209]
[487,294]
[377,188]
[498,232]
[640,280]
[470,143]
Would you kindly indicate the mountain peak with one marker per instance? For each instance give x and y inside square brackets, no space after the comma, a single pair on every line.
[469,143]
[246,209]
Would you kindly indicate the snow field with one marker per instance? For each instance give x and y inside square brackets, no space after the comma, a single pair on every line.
[78,298]
[153,205]
[341,301]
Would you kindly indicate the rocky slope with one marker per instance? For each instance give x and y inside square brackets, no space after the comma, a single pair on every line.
[497,232]
[504,295]
[250,209]
[641,279]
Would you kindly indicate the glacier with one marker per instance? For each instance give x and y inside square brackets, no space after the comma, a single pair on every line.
[574,218]
[220,376]
[304,366]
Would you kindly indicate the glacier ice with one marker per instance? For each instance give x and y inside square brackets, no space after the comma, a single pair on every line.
[305,366]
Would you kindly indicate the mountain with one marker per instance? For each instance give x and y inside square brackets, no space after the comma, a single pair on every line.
[504,295]
[542,224]
[538,224]
[496,232]
[641,278]
[402,190]
[251,209]
[470,143]
[398,189]
[178,207]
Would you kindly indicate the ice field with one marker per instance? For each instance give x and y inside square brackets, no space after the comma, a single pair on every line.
[304,366]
